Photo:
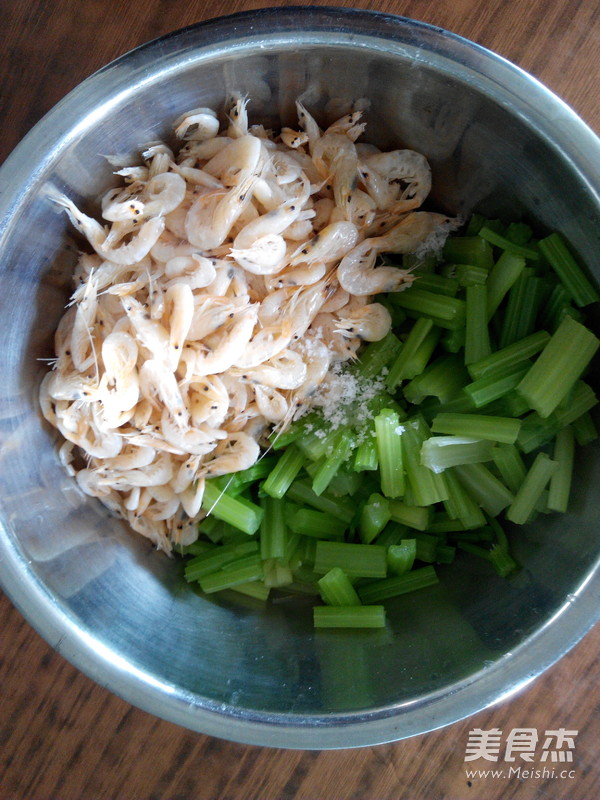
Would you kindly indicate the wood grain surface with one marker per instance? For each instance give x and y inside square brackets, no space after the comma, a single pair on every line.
[62,737]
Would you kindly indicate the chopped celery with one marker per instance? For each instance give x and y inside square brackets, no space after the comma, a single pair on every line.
[438,453]
[496,429]
[357,560]
[374,516]
[439,307]
[502,277]
[241,514]
[507,244]
[509,356]
[484,488]
[236,575]
[482,367]
[558,367]
[343,446]
[414,516]
[510,465]
[401,556]
[568,270]
[531,489]
[319,524]
[560,482]
[273,533]
[388,432]
[378,591]
[477,337]
[284,472]
[340,507]
[337,590]
[366,459]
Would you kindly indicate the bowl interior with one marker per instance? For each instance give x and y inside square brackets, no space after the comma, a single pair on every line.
[121,610]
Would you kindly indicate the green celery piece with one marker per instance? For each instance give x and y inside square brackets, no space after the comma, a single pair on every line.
[356,560]
[585,429]
[502,277]
[427,487]
[518,233]
[401,556]
[393,533]
[366,459]
[233,576]
[522,308]
[378,355]
[468,275]
[560,364]
[445,554]
[578,401]
[337,590]
[509,356]
[556,252]
[535,432]
[378,591]
[443,378]
[507,245]
[217,557]
[296,430]
[340,507]
[478,426]
[427,546]
[429,304]
[502,561]
[468,250]
[284,473]
[438,453]
[344,444]
[273,531]
[417,517]
[453,341]
[475,224]
[388,432]
[496,385]
[309,522]
[560,482]
[255,589]
[374,516]
[442,523]
[477,337]
[510,465]
[345,482]
[368,616]
[240,513]
[484,488]
[438,284]
[531,489]
[398,369]
[246,477]
[460,505]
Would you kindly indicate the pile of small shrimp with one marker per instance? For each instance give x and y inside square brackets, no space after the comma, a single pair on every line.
[226,282]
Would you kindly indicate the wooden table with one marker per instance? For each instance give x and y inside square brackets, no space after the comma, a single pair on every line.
[65,738]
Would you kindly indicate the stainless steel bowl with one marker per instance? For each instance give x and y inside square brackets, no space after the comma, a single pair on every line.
[497,141]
